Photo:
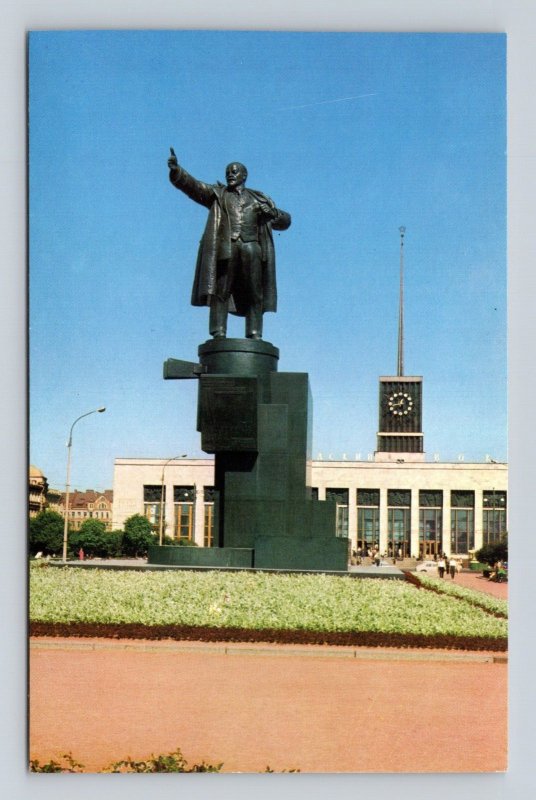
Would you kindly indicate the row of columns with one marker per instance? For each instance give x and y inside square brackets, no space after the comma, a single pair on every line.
[199,518]
[414,520]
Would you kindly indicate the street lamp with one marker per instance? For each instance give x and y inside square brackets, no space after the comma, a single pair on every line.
[67,483]
[161,520]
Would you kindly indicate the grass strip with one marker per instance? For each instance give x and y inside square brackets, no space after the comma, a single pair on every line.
[493,605]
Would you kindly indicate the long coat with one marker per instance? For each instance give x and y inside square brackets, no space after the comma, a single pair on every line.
[215,243]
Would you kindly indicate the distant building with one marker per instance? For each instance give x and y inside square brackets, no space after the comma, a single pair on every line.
[38,488]
[88,505]
[54,498]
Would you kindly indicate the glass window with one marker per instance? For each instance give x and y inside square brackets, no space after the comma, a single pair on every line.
[462,521]
[183,501]
[208,515]
[340,496]
[493,516]
[208,526]
[184,519]
[152,496]
[368,528]
[430,531]
[368,519]
[462,530]
[152,512]
[430,523]
[398,532]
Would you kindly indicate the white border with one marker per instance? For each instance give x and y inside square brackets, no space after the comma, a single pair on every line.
[516,18]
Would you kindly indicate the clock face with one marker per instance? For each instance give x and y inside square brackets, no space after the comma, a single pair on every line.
[400,404]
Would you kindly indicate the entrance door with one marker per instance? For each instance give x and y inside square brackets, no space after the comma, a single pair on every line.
[398,532]
[430,532]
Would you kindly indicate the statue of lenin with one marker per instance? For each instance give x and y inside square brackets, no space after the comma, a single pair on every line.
[235,268]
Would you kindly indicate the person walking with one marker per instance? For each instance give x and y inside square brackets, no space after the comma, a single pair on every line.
[441,567]
[453,568]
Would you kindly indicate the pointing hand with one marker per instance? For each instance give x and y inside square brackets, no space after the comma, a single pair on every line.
[172,160]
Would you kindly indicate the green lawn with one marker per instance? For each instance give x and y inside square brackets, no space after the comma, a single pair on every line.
[253,601]
[485,601]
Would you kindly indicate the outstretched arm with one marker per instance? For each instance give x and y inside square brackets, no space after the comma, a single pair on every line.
[202,193]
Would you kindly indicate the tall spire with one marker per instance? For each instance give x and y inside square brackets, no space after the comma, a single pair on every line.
[400,363]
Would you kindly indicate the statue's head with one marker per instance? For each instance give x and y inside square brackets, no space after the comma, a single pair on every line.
[235,174]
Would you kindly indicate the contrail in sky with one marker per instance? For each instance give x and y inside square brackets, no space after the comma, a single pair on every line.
[324,102]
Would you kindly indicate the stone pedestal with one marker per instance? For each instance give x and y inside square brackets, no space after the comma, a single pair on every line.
[257,423]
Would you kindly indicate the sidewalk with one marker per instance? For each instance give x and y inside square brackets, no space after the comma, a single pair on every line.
[318,710]
[474,580]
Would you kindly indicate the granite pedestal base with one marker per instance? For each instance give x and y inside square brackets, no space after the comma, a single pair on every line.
[257,423]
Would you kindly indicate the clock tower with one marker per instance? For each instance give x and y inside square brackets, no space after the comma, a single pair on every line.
[400,419]
[400,436]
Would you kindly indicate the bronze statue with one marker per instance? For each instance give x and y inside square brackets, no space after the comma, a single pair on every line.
[235,268]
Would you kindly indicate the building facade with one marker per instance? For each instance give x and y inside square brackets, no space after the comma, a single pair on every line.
[37,491]
[88,505]
[409,508]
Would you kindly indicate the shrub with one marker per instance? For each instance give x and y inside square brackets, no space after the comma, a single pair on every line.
[137,536]
[46,533]
[171,762]
[68,765]
[115,543]
[95,540]
[88,537]
[170,542]
[491,553]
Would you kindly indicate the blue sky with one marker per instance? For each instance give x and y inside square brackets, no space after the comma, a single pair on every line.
[354,135]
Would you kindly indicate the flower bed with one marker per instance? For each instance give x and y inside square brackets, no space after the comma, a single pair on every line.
[227,606]
[491,604]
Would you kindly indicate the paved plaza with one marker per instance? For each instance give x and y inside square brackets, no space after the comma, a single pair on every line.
[313,708]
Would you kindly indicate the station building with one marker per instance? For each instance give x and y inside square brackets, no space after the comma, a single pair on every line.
[420,509]
[398,501]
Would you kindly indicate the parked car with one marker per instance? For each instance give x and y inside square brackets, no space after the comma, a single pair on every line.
[427,566]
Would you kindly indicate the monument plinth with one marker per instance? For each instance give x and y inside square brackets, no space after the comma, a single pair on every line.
[257,423]
[241,357]
[255,420]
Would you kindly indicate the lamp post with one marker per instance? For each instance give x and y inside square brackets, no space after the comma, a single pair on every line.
[67,483]
[161,520]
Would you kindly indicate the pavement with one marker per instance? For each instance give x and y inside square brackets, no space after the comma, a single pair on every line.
[312,708]
[474,580]
[316,709]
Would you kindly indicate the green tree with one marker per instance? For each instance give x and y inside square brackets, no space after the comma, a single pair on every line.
[114,540]
[90,537]
[137,536]
[491,553]
[46,533]
[95,540]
